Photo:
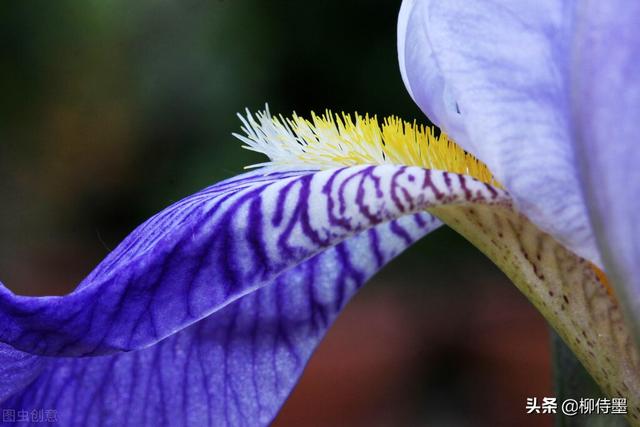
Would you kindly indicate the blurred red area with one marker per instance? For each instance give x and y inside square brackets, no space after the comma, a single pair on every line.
[390,360]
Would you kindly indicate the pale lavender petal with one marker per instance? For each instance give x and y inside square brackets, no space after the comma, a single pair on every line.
[237,366]
[421,72]
[503,65]
[606,103]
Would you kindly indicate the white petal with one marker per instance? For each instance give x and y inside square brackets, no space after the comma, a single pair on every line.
[502,65]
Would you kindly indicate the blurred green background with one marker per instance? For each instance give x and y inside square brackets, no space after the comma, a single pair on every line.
[113,110]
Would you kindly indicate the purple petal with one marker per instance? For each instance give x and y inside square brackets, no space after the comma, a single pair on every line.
[494,75]
[17,370]
[606,103]
[237,366]
[157,272]
[214,247]
[223,296]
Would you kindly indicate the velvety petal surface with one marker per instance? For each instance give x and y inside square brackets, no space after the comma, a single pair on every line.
[235,367]
[606,103]
[494,75]
[158,272]
[298,243]
[17,370]
[209,249]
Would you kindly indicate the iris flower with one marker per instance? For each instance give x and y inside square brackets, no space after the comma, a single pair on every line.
[208,312]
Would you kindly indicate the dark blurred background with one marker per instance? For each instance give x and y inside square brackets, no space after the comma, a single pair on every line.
[112,110]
